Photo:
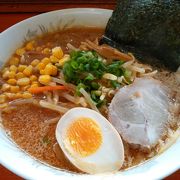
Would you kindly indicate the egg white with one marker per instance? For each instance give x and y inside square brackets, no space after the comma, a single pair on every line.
[110,155]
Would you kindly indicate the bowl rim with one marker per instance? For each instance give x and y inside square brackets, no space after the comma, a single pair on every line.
[21,173]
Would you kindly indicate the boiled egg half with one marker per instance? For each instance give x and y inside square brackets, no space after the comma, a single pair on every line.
[89,141]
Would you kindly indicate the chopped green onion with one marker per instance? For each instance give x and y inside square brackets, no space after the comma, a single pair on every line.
[85,68]
[95,85]
[127,73]
[115,84]
[78,87]
[89,77]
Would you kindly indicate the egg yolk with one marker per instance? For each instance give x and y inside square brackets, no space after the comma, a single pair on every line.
[85,136]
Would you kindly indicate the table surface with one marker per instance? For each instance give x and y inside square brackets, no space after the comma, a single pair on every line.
[13,11]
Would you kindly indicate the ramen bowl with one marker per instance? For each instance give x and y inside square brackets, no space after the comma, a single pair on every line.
[22,164]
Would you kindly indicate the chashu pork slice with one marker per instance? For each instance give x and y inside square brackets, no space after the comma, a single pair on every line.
[140,111]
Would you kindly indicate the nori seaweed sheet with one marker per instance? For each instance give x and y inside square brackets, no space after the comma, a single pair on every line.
[148,26]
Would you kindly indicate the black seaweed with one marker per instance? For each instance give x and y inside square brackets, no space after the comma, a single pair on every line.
[151,26]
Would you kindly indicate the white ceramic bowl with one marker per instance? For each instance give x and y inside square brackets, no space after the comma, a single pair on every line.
[25,166]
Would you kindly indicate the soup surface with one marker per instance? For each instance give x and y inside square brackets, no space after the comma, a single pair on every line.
[33,127]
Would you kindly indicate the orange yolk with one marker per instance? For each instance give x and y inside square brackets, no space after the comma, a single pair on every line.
[85,136]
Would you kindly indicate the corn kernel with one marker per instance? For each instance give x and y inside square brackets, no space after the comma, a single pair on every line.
[4,70]
[14,89]
[54,59]
[64,59]
[13,68]
[2,98]
[54,71]
[50,69]
[20,51]
[42,72]
[14,61]
[45,61]
[11,74]
[4,105]
[57,52]
[18,95]
[41,66]
[19,75]
[30,45]
[46,51]
[11,81]
[6,74]
[25,88]
[26,95]
[35,62]
[44,79]
[35,82]
[34,86]
[21,68]
[10,95]
[5,87]
[23,81]
[28,71]
[33,78]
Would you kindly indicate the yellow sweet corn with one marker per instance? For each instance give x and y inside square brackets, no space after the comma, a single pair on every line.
[11,75]
[41,66]
[21,68]
[46,51]
[33,78]
[14,89]
[12,81]
[18,95]
[50,69]
[14,61]
[44,79]
[4,70]
[45,61]
[10,95]
[5,87]
[8,75]
[13,68]
[4,105]
[2,98]
[28,70]
[5,75]
[34,86]
[65,58]
[54,59]
[42,72]
[36,83]
[30,46]
[23,81]
[20,51]
[54,71]
[35,62]
[25,88]
[57,52]
[19,75]
[26,95]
